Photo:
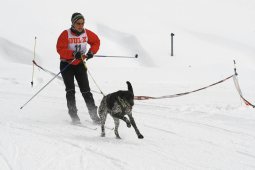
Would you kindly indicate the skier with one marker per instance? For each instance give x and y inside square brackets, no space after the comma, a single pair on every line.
[72,44]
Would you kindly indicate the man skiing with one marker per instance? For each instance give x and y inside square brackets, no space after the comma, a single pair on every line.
[72,45]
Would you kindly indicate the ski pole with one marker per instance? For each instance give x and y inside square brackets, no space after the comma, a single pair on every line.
[59,77]
[32,82]
[86,68]
[47,83]
[106,56]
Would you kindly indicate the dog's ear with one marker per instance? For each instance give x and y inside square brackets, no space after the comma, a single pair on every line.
[131,99]
[130,88]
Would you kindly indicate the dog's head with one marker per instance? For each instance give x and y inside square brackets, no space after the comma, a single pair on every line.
[127,96]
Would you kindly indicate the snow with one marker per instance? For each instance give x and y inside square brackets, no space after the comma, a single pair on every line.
[209,129]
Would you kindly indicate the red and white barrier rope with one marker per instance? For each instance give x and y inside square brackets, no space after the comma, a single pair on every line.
[180,94]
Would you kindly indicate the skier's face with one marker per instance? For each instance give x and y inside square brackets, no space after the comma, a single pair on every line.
[79,24]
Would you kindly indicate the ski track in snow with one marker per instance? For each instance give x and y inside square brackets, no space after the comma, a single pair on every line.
[156,122]
[55,136]
[172,134]
[84,147]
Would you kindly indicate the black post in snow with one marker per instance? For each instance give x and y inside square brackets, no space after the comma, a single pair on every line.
[172,44]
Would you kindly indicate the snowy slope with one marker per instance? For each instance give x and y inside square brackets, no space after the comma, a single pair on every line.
[210,129]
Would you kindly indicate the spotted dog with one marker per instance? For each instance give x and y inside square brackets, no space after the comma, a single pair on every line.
[118,104]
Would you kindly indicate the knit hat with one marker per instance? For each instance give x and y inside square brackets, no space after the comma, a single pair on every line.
[76,16]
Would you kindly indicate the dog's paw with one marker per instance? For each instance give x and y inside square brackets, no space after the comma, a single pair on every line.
[118,137]
[128,124]
[140,136]
[117,134]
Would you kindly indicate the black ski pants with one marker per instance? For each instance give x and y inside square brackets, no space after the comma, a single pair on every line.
[80,74]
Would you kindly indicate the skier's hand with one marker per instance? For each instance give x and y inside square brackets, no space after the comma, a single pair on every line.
[89,55]
[77,55]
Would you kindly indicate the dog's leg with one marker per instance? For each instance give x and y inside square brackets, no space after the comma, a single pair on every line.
[140,136]
[103,119]
[127,122]
[124,119]
[117,123]
[102,114]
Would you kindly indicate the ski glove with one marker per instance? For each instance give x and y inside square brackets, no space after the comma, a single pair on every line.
[77,55]
[89,55]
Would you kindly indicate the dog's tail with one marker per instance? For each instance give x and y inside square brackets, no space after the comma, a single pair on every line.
[130,88]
